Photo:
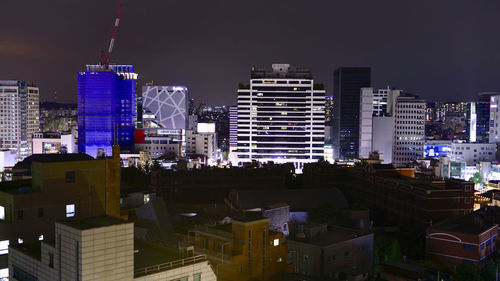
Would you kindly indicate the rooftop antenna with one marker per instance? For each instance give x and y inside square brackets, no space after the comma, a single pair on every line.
[105,57]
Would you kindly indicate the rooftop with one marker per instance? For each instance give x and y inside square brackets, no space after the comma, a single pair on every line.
[94,222]
[281,71]
[474,223]
[334,235]
[45,158]
[31,249]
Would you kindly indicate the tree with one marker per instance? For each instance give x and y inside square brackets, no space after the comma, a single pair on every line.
[467,272]
[156,166]
[476,178]
[374,155]
[395,251]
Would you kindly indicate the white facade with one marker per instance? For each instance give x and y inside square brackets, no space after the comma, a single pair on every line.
[391,123]
[204,143]
[8,158]
[472,153]
[409,135]
[53,145]
[494,119]
[99,252]
[281,117]
[19,116]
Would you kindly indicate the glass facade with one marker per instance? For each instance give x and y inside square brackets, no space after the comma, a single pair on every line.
[478,122]
[106,111]
[347,84]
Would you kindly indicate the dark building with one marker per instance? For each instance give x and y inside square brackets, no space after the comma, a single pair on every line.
[347,82]
[478,122]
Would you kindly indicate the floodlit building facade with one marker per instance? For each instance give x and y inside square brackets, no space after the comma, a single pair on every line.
[106,109]
[281,117]
[478,122]
[19,116]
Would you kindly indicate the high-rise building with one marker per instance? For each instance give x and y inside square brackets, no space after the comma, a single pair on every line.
[478,122]
[106,109]
[19,116]
[347,83]
[409,132]
[281,116]
[391,123]
[494,136]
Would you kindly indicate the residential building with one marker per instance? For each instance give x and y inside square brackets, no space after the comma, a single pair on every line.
[281,117]
[19,116]
[106,109]
[478,122]
[102,248]
[43,144]
[60,187]
[338,253]
[347,83]
[472,153]
[469,239]
[203,141]
[245,249]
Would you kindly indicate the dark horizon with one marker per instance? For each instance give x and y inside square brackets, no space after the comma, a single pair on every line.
[443,51]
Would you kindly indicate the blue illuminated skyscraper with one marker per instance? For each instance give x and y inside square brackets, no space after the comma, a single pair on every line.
[106,108]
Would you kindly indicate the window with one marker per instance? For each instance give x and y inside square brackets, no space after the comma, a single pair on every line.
[197,277]
[20,240]
[183,279]
[40,212]
[22,275]
[70,210]
[70,176]
[2,213]
[276,242]
[51,260]
[4,247]
[279,259]
[469,247]
[40,238]
[306,257]
[20,215]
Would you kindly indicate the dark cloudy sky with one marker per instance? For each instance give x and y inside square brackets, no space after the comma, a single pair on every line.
[442,49]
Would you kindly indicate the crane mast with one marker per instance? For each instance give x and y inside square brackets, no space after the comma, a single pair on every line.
[105,57]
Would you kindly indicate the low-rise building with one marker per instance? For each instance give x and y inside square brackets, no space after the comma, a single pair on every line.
[102,248]
[337,252]
[43,144]
[203,141]
[472,153]
[471,239]
[244,249]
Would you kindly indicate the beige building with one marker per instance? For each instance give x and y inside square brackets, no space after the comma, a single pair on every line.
[102,248]
[202,142]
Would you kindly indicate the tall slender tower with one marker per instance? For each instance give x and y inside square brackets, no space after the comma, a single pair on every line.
[19,116]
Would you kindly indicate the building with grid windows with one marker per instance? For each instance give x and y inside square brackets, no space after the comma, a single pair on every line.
[19,116]
[106,109]
[281,116]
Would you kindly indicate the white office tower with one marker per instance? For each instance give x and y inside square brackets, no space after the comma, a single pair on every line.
[494,119]
[281,117]
[409,134]
[391,123]
[19,116]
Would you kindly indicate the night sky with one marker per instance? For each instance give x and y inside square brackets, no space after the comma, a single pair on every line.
[443,50]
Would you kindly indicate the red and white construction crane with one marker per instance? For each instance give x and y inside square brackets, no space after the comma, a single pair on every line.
[106,57]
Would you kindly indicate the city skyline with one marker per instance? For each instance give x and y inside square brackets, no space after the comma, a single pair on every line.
[444,51]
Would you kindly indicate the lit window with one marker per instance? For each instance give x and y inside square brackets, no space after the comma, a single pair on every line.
[276,242]
[20,240]
[4,247]
[279,259]
[2,213]
[70,210]
[40,238]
